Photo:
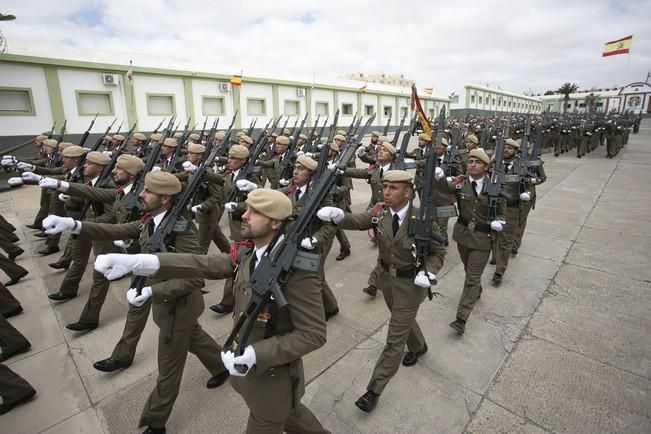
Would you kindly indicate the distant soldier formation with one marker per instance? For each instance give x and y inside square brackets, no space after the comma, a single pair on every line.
[150,206]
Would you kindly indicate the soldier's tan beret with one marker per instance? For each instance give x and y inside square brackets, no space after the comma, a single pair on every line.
[480,154]
[342,132]
[50,143]
[389,147]
[334,146]
[302,136]
[472,138]
[238,151]
[196,148]
[383,139]
[425,137]
[139,136]
[98,158]
[340,137]
[286,131]
[376,133]
[156,137]
[513,143]
[73,151]
[107,137]
[274,135]
[64,145]
[282,140]
[177,134]
[444,141]
[240,134]
[195,136]
[162,182]
[247,139]
[306,162]
[271,203]
[219,135]
[130,164]
[40,138]
[118,137]
[397,176]
[170,142]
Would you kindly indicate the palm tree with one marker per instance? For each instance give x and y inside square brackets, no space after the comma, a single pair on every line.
[591,101]
[565,90]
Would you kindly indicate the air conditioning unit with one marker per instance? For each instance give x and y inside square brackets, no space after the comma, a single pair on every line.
[300,91]
[110,79]
[224,87]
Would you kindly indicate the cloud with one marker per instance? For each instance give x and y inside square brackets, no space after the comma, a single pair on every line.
[532,46]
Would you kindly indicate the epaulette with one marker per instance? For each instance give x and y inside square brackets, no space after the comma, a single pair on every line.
[235,248]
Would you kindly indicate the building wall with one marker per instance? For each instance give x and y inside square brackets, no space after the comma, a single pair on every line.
[482,98]
[203,88]
[30,77]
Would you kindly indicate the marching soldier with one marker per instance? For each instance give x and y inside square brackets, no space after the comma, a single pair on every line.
[14,390]
[139,142]
[177,303]
[273,381]
[404,288]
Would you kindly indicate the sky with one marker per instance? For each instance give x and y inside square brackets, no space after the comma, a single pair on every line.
[523,46]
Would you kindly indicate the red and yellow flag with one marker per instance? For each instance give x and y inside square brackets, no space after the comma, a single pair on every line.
[362,89]
[428,90]
[415,105]
[236,80]
[620,46]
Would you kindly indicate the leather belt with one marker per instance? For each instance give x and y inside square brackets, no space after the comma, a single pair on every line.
[402,272]
[477,227]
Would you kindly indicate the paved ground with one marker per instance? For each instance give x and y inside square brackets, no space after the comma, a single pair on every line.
[564,345]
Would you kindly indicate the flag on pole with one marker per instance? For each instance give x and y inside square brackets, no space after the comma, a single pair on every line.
[236,80]
[130,72]
[362,89]
[620,46]
[428,90]
[419,111]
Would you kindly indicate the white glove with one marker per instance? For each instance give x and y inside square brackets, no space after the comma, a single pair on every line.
[25,166]
[361,151]
[245,185]
[299,153]
[309,243]
[525,197]
[86,150]
[109,153]
[155,169]
[63,197]
[285,182]
[116,265]
[8,157]
[189,167]
[497,225]
[122,244]
[53,224]
[15,181]
[8,162]
[439,173]
[425,281]
[319,146]
[196,208]
[227,360]
[138,300]
[309,154]
[247,359]
[48,183]
[331,214]
[31,177]
[230,206]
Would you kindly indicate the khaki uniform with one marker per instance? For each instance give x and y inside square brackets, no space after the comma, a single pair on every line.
[8,303]
[396,280]
[274,386]
[504,240]
[177,304]
[525,208]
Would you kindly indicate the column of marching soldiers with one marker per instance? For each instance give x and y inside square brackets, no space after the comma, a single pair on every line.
[151,206]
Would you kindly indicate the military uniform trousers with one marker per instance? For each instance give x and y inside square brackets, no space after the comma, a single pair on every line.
[504,240]
[80,255]
[172,354]
[235,227]
[403,299]
[13,388]
[209,230]
[329,300]
[44,205]
[10,268]
[137,317]
[474,262]
[611,146]
[8,303]
[5,225]
[11,340]
[525,208]
[9,247]
[56,208]
[100,287]
[269,398]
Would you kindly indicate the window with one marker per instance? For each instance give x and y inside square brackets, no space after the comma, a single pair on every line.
[387,111]
[256,107]
[91,102]
[212,106]
[292,108]
[347,109]
[493,101]
[322,108]
[472,99]
[403,112]
[480,100]
[16,101]
[160,105]
[431,113]
[369,109]
[582,105]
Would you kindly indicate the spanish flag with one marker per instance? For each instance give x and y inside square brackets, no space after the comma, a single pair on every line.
[236,80]
[419,110]
[620,46]
[362,89]
[428,90]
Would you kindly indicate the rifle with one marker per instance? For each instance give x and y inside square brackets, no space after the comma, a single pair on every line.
[495,188]
[452,158]
[394,141]
[276,262]
[203,130]
[333,128]
[290,155]
[386,127]
[87,132]
[296,132]
[49,135]
[211,138]
[291,133]
[352,124]
[63,132]
[158,127]
[251,127]
[310,141]
[285,125]
[399,162]
[177,151]
[226,145]
[423,229]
